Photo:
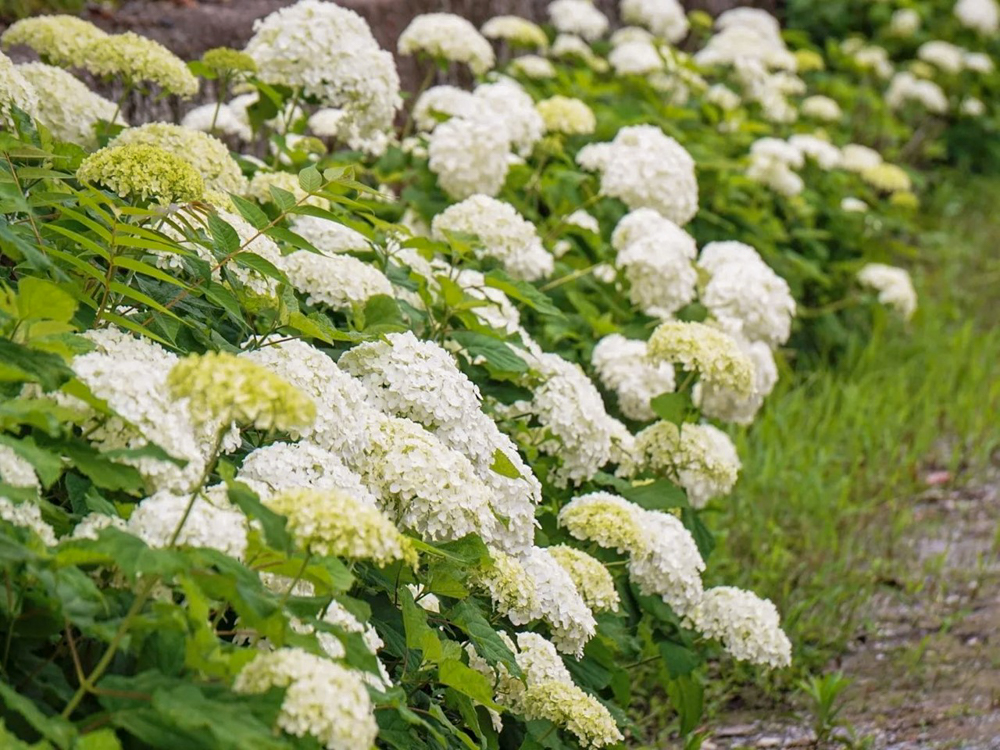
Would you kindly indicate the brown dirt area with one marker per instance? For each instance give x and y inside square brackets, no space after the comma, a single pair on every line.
[925,670]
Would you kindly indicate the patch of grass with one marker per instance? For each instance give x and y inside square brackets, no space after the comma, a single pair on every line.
[831,465]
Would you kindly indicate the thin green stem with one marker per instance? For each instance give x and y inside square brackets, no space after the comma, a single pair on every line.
[295,581]
[569,277]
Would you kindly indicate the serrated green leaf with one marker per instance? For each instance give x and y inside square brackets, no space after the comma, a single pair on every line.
[467,616]
[39,299]
[497,353]
[250,211]
[503,466]
[310,179]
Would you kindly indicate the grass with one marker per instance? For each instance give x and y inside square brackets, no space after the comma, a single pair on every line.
[832,463]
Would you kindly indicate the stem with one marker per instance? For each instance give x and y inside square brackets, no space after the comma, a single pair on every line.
[118,108]
[87,685]
[17,183]
[562,222]
[425,84]
[298,577]
[107,277]
[223,87]
[568,277]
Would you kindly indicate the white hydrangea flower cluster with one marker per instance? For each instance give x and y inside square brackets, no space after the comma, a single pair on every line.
[330,237]
[858,158]
[469,157]
[645,168]
[583,220]
[772,162]
[698,457]
[869,58]
[825,154]
[944,55]
[339,281]
[747,35]
[571,411]
[504,235]
[723,97]
[516,31]
[850,204]
[69,108]
[425,485]
[330,54]
[283,466]
[727,406]
[578,17]
[894,287]
[27,516]
[15,470]
[822,108]
[624,368]
[439,102]
[659,270]
[983,16]
[664,18]
[130,374]
[533,66]
[448,37]
[769,90]
[906,87]
[744,295]
[93,524]
[663,558]
[322,698]
[566,115]
[747,626]
[207,154]
[419,380]
[15,91]
[590,577]
[507,102]
[335,523]
[212,522]
[905,22]
[701,348]
[342,412]
[635,59]
[573,47]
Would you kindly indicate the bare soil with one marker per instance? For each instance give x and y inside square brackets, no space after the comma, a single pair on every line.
[926,668]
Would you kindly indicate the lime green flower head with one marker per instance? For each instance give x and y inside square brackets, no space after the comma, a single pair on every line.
[206,153]
[888,178]
[58,40]
[223,60]
[143,172]
[335,523]
[227,388]
[136,58]
[715,355]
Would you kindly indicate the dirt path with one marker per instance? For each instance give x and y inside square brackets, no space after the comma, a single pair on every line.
[926,673]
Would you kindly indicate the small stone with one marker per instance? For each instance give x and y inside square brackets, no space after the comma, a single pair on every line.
[736,730]
[769,742]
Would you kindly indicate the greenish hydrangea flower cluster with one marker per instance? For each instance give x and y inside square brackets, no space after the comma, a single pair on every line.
[142,172]
[135,59]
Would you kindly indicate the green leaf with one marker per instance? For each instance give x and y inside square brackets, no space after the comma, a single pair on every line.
[20,364]
[503,466]
[227,241]
[702,536]
[496,353]
[46,464]
[282,198]
[381,315]
[467,616]
[671,407]
[680,660]
[419,634]
[38,299]
[524,292]
[53,728]
[274,525]
[102,739]
[657,495]
[101,471]
[467,681]
[310,179]
[688,698]
[250,211]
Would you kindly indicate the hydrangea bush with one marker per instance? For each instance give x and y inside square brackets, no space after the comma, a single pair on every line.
[402,437]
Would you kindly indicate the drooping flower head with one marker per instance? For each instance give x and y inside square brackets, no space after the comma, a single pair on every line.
[143,172]
[894,287]
[747,626]
[698,347]
[15,91]
[232,389]
[592,579]
[334,523]
[136,59]
[322,699]
[445,36]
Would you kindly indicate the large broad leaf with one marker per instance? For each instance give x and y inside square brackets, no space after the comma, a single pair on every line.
[419,635]
[679,659]
[524,292]
[467,681]
[660,494]
[499,355]
[672,407]
[21,364]
[687,695]
[468,616]
[39,299]
[275,526]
